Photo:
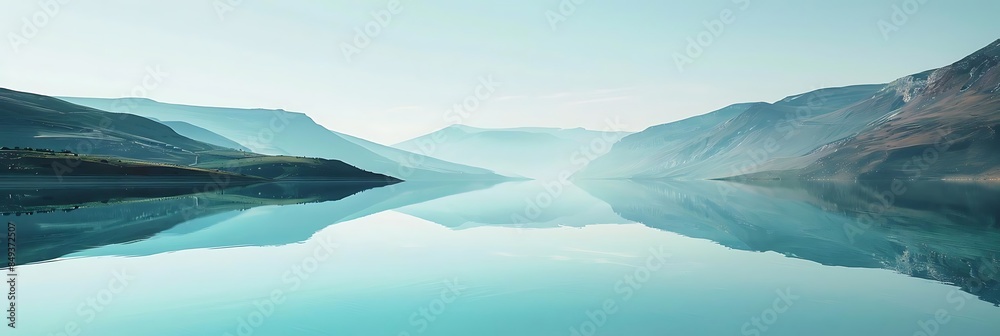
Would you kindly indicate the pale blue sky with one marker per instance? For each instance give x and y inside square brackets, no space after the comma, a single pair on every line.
[607,60]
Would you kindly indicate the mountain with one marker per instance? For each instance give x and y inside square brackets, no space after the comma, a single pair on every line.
[737,139]
[279,132]
[945,129]
[203,135]
[112,145]
[644,154]
[295,168]
[539,153]
[37,121]
[34,167]
[950,115]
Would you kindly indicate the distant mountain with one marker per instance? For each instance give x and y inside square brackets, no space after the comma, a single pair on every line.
[865,131]
[538,153]
[113,145]
[279,132]
[203,135]
[735,140]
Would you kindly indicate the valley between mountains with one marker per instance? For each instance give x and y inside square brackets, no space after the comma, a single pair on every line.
[939,124]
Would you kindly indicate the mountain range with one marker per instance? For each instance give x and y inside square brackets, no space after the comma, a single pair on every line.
[530,152]
[278,132]
[937,124]
[44,136]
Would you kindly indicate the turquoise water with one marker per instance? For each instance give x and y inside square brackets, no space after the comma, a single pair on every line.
[528,258]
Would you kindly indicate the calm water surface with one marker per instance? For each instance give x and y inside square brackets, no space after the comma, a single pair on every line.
[521,258]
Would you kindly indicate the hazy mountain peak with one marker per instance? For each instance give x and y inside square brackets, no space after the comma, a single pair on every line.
[280,132]
[531,152]
[138,100]
[463,128]
[126,103]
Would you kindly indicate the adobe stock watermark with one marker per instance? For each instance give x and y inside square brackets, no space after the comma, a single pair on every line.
[714,29]
[33,24]
[224,7]
[422,318]
[553,188]
[460,112]
[787,127]
[89,309]
[769,316]
[293,278]
[565,10]
[365,34]
[457,114]
[990,271]
[900,16]
[12,274]
[932,325]
[626,289]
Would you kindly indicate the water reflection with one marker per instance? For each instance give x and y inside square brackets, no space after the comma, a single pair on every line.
[939,231]
[127,214]
[531,258]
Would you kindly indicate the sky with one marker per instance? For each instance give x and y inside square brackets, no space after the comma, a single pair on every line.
[597,64]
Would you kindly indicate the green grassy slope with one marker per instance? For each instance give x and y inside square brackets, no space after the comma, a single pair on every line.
[295,168]
[23,163]
[134,146]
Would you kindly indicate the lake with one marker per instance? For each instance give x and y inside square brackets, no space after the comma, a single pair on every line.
[623,258]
